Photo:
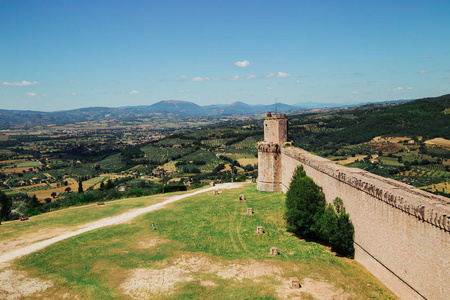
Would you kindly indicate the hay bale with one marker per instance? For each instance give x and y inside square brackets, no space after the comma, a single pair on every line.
[101,203]
[274,250]
[249,211]
[259,230]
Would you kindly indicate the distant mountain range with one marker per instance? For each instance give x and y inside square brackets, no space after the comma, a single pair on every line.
[165,108]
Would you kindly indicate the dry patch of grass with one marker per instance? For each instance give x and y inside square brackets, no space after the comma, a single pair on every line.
[350,160]
[314,289]
[439,141]
[168,276]
[379,139]
[16,284]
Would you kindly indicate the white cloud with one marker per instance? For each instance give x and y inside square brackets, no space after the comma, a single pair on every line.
[183,91]
[270,88]
[32,94]
[207,78]
[183,76]
[354,92]
[134,92]
[198,78]
[270,75]
[298,81]
[235,77]
[23,83]
[398,89]
[283,74]
[424,72]
[242,64]
[251,76]
[74,94]
[44,95]
[409,88]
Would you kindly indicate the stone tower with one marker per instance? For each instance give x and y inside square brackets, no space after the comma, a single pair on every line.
[269,158]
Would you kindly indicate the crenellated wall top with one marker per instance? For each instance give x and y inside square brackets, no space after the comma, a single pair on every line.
[425,206]
[268,147]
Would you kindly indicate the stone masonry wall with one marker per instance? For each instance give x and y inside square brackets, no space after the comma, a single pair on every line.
[402,234]
[275,129]
[269,160]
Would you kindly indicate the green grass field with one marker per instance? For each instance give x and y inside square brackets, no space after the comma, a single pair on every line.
[204,247]
[71,217]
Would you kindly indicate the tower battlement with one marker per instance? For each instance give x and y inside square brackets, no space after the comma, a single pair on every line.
[269,159]
[275,128]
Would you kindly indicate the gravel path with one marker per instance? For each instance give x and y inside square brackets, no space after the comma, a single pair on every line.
[125,217]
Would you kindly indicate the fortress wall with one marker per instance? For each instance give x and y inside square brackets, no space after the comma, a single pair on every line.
[402,234]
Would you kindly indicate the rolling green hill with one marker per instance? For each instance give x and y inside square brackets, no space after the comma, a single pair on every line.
[429,118]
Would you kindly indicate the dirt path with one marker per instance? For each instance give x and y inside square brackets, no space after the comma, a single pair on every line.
[122,218]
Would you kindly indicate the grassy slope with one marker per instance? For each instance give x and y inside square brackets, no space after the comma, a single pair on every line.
[72,217]
[212,228]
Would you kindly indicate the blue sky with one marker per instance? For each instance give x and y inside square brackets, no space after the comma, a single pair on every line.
[58,55]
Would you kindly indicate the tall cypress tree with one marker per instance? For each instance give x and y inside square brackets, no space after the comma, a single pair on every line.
[80,187]
[6,204]
[305,204]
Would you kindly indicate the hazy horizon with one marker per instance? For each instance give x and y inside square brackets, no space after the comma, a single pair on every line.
[63,55]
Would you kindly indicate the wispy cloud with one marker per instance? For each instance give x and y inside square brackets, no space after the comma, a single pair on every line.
[251,76]
[74,94]
[269,88]
[399,89]
[298,81]
[134,92]
[198,78]
[424,72]
[22,83]
[279,75]
[283,74]
[183,91]
[235,77]
[409,88]
[183,76]
[354,92]
[242,64]
[32,94]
